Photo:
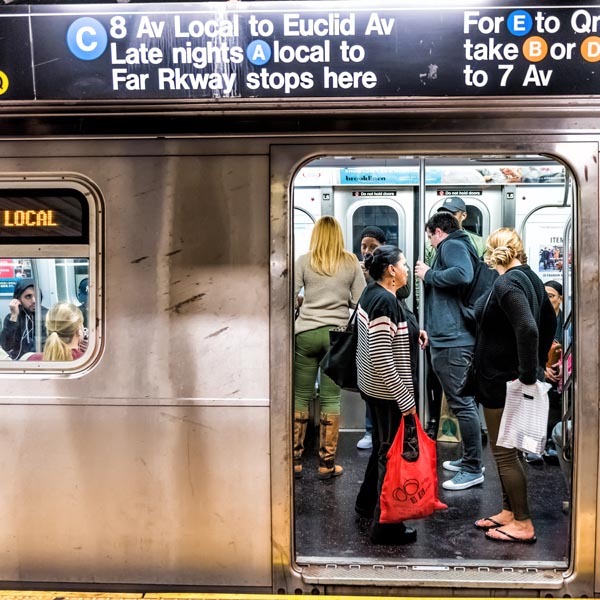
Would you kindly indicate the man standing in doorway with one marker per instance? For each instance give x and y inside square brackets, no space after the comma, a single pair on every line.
[450,340]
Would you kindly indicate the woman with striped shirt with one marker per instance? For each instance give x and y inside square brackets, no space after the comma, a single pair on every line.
[386,358]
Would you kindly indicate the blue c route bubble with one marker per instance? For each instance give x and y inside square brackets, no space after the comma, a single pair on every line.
[87,38]
[519,22]
[258,52]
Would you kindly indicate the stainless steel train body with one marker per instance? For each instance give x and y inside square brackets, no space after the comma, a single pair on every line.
[163,457]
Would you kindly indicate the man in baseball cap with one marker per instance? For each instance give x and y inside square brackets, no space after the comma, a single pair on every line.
[453,204]
[456,205]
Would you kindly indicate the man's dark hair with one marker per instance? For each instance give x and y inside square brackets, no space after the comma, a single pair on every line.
[443,220]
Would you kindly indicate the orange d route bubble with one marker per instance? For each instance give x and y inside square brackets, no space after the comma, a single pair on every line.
[535,48]
[590,48]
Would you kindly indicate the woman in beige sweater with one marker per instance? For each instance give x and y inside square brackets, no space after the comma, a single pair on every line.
[333,281]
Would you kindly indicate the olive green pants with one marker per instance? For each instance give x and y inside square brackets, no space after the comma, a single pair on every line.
[310,348]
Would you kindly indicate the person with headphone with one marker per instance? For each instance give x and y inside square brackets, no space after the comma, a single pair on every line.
[18,335]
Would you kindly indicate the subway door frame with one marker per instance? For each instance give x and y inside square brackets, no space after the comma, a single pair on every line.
[581,157]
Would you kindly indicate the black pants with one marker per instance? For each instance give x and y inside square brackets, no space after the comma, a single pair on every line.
[434,390]
[386,416]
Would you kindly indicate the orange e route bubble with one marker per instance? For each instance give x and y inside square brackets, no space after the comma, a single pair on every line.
[590,48]
[535,48]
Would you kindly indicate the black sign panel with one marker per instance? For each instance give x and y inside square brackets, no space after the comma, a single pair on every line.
[16,73]
[299,50]
[43,216]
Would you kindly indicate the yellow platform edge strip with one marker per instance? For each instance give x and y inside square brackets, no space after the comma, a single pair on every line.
[58,595]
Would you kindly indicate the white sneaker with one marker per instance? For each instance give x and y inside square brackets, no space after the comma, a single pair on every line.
[456,465]
[365,442]
[463,480]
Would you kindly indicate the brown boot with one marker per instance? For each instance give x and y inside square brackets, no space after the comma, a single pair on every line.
[300,425]
[329,433]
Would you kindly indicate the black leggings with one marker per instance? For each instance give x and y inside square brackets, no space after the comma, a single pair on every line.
[510,469]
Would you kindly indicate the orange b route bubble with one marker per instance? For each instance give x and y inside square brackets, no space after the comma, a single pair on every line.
[590,48]
[535,48]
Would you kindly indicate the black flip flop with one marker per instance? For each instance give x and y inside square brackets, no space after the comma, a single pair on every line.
[487,527]
[511,538]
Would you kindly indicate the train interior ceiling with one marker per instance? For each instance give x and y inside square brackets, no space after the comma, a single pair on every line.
[534,195]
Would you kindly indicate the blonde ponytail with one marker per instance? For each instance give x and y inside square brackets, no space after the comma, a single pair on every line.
[63,321]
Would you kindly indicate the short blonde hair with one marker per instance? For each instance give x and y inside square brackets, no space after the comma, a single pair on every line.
[503,246]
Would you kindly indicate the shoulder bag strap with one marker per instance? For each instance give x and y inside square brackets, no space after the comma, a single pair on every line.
[353,317]
[485,308]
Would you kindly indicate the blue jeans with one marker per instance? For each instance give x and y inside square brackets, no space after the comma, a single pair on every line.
[450,366]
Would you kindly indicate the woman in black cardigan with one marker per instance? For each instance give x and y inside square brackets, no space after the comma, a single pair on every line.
[516,328]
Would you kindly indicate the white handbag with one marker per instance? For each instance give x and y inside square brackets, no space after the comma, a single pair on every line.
[525,417]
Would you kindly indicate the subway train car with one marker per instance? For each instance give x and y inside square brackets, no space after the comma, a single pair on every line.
[161,168]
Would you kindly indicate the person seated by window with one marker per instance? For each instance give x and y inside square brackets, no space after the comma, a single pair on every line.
[553,373]
[18,335]
[64,325]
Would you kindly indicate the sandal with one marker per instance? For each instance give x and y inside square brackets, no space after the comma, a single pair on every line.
[487,527]
[510,538]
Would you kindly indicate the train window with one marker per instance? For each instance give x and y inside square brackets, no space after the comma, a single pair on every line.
[530,194]
[386,217]
[48,266]
[474,220]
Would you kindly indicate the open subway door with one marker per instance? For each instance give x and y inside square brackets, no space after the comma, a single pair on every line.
[536,196]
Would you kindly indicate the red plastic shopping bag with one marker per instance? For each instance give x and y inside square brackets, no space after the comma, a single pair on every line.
[410,489]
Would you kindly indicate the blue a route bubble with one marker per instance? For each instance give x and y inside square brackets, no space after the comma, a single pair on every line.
[258,52]
[519,22]
[87,38]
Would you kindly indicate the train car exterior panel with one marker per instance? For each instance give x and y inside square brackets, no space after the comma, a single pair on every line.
[188,388]
[133,293]
[136,494]
[196,277]
[162,351]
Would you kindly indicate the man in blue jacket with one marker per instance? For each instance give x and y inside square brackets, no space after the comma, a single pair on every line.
[451,341]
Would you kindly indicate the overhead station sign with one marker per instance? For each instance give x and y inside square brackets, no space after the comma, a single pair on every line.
[295,50]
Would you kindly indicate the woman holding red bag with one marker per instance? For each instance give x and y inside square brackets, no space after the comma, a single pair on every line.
[386,357]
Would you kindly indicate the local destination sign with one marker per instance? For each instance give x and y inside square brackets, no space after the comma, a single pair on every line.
[223,50]
[52,216]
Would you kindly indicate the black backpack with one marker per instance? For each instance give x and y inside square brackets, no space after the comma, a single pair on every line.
[481,285]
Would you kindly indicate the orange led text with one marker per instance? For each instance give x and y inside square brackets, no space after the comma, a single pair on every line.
[28,218]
